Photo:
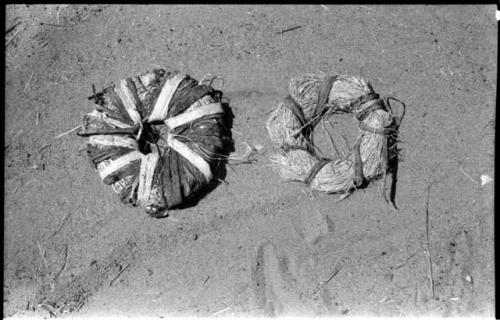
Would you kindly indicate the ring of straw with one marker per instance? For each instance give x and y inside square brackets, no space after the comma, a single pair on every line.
[291,128]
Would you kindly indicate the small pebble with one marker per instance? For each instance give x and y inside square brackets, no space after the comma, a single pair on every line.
[485,179]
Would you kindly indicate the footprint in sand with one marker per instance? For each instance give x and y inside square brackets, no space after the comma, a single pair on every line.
[280,276]
[274,285]
[312,226]
[459,274]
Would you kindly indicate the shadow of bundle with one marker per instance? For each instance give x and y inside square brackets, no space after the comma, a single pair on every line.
[315,97]
[157,138]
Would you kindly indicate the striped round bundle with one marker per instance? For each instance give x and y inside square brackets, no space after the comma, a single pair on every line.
[319,96]
[154,138]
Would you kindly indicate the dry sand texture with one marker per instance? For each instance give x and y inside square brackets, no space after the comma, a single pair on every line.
[254,246]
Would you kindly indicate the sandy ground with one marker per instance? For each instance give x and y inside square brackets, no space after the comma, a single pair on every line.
[254,246]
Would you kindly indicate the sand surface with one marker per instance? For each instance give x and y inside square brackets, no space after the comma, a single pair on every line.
[255,245]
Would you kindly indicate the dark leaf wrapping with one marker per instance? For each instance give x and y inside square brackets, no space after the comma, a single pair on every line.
[175,178]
